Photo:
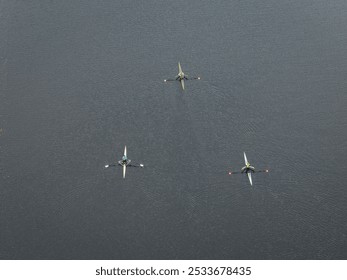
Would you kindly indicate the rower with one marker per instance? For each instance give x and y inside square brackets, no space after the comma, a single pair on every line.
[124,159]
[247,168]
[180,76]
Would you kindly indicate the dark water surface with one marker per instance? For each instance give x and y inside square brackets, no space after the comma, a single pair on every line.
[81,79]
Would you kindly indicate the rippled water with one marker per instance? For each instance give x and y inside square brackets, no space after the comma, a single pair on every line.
[81,79]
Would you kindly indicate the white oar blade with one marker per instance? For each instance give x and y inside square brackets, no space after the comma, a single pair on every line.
[246,161]
[124,170]
[250,177]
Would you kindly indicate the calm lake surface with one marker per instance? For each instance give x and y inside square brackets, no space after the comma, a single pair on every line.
[81,79]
